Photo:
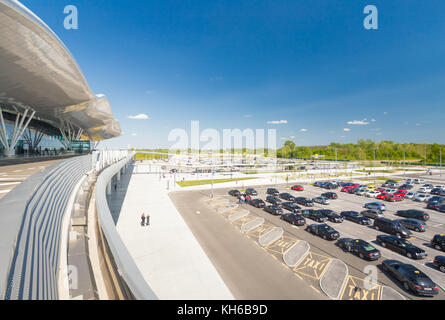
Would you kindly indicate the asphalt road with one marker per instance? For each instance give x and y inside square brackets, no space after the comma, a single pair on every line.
[222,243]
[12,175]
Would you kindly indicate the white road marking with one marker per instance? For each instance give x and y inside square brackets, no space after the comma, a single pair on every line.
[9,183]
[438,225]
[5,191]
[18,170]
[31,168]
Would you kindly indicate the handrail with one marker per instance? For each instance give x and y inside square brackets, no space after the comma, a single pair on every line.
[126,266]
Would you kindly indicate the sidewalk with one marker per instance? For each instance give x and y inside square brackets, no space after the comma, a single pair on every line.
[168,255]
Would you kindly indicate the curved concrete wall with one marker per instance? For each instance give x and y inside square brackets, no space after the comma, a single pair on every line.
[124,262]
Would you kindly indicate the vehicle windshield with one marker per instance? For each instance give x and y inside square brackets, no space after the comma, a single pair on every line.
[368,247]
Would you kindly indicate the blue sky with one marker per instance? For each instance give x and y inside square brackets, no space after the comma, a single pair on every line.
[242,64]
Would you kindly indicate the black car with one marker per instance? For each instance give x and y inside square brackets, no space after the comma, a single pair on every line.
[273,200]
[414,214]
[412,278]
[401,246]
[273,209]
[318,183]
[360,248]
[314,215]
[330,195]
[438,242]
[436,191]
[291,206]
[272,191]
[258,203]
[356,217]
[436,200]
[251,192]
[372,213]
[234,193]
[391,227]
[439,262]
[304,201]
[286,196]
[405,187]
[294,219]
[437,207]
[413,224]
[324,231]
[331,215]
[329,185]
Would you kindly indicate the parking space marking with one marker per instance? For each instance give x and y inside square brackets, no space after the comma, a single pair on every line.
[313,265]
[280,246]
[355,290]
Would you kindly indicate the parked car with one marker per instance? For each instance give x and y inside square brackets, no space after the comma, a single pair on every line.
[286,196]
[436,200]
[421,197]
[406,186]
[291,206]
[294,219]
[401,246]
[297,188]
[360,191]
[437,207]
[304,201]
[234,193]
[412,278]
[273,200]
[321,200]
[414,214]
[438,242]
[356,217]
[402,193]
[413,224]
[410,195]
[330,195]
[324,231]
[424,190]
[418,181]
[436,191]
[372,213]
[314,215]
[439,262]
[272,191]
[393,198]
[391,227]
[331,215]
[375,205]
[257,203]
[360,248]
[251,192]
[273,209]
[372,194]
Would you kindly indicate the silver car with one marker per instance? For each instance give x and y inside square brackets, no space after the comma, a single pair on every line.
[421,197]
[410,195]
[321,200]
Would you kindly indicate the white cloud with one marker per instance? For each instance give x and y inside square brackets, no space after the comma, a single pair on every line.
[385,113]
[373,120]
[346,129]
[283,138]
[133,134]
[277,122]
[292,137]
[359,122]
[303,130]
[140,116]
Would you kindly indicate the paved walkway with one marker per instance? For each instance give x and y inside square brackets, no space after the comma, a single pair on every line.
[169,257]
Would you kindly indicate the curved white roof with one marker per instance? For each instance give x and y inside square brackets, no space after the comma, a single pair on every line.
[38,71]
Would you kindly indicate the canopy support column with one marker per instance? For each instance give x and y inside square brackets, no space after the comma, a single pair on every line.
[17,132]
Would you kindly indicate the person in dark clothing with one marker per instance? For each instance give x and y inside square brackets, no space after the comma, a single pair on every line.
[148,219]
[143,219]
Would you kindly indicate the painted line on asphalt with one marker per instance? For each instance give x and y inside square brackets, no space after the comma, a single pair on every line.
[5,191]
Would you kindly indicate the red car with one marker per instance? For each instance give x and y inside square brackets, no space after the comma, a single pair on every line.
[345,189]
[393,198]
[297,188]
[401,193]
[381,189]
[382,195]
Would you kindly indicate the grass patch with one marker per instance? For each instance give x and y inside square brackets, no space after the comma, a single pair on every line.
[190,183]
[378,179]
[377,171]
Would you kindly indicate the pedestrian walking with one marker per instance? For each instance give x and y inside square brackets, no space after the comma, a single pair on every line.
[115,187]
[143,219]
[148,219]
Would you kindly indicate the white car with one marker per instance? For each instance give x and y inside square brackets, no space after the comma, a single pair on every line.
[418,181]
[425,190]
[410,195]
[421,197]
[372,194]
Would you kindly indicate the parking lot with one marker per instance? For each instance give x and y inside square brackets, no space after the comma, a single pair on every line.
[325,267]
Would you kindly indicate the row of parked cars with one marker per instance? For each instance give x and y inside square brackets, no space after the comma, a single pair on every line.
[395,238]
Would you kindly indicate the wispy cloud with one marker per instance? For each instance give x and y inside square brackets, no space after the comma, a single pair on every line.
[346,129]
[303,130]
[373,120]
[141,116]
[277,122]
[363,122]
